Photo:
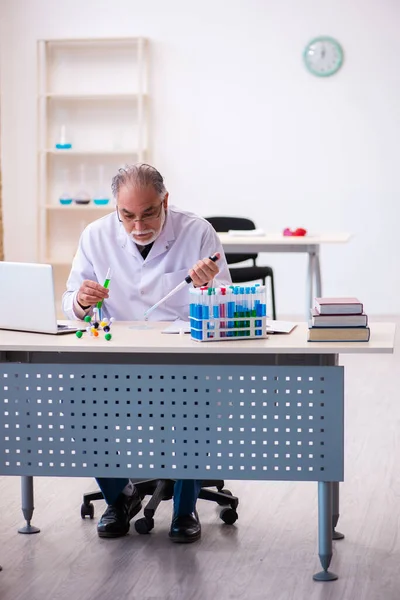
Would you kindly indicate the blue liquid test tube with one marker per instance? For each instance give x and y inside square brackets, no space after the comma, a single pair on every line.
[230,311]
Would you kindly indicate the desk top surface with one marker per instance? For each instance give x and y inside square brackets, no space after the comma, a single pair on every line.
[280,239]
[137,337]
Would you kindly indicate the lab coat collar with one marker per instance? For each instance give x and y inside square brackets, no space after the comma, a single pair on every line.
[164,240]
[161,244]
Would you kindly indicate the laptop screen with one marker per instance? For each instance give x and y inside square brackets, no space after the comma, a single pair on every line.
[27,297]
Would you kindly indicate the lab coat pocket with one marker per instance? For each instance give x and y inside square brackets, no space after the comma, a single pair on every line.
[170,281]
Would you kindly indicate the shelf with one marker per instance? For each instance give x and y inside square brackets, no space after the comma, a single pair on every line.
[100,41]
[90,152]
[91,96]
[94,93]
[79,207]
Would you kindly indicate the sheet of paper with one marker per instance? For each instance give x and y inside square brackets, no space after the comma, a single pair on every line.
[178,326]
[280,326]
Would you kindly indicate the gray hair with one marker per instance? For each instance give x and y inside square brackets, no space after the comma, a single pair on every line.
[140,175]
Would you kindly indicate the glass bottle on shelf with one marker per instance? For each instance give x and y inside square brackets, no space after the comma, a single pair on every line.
[66,196]
[63,143]
[82,196]
[101,196]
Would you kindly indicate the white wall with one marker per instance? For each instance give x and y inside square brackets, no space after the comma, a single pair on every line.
[239,125]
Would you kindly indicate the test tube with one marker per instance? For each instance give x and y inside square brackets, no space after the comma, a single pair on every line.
[258,309]
[223,310]
[230,310]
[246,310]
[193,311]
[217,311]
[253,308]
[209,311]
[242,311]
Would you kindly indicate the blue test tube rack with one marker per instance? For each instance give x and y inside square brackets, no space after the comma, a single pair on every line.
[228,313]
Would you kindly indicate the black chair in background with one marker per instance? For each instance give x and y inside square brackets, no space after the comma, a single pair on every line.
[162,489]
[244,274]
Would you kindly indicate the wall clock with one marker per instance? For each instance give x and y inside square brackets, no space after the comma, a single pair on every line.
[323,56]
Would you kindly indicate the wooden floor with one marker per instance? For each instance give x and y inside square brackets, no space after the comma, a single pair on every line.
[270,553]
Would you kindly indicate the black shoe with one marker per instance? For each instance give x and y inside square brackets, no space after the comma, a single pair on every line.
[115,521]
[185,529]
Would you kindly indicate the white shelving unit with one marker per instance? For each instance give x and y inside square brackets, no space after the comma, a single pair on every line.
[93,94]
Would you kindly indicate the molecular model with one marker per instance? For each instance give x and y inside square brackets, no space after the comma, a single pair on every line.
[95,324]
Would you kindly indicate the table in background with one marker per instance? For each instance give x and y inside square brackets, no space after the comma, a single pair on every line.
[309,244]
[158,406]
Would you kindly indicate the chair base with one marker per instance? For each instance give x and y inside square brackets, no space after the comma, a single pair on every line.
[163,489]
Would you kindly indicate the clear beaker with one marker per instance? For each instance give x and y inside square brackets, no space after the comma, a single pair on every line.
[82,196]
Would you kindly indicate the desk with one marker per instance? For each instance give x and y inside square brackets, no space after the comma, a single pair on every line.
[153,405]
[309,244]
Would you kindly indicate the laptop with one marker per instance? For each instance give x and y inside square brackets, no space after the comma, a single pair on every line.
[27,299]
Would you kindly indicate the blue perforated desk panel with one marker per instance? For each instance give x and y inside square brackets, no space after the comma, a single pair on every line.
[167,420]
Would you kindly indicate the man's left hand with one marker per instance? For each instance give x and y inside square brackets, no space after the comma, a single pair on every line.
[203,272]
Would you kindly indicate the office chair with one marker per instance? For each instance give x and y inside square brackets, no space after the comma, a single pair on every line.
[244,274]
[162,489]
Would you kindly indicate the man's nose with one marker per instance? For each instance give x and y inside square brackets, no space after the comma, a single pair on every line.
[139,225]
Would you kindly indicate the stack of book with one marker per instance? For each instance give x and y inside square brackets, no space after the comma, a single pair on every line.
[338,320]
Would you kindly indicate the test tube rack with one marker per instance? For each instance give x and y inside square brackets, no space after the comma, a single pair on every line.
[228,313]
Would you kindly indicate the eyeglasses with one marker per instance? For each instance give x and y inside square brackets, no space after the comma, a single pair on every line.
[152,214]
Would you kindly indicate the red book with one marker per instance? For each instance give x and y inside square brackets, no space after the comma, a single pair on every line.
[338,306]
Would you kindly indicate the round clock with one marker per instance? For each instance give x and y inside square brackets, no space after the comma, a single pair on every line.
[323,56]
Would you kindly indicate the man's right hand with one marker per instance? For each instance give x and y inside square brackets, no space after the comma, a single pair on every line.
[90,293]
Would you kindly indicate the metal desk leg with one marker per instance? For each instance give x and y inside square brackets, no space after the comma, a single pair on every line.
[325,531]
[310,282]
[27,505]
[336,535]
[317,271]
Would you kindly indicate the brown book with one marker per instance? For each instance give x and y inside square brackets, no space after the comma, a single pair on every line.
[338,334]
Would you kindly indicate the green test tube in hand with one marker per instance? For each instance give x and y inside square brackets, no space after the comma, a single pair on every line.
[106,284]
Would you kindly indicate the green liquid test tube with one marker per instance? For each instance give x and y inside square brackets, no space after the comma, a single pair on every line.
[106,284]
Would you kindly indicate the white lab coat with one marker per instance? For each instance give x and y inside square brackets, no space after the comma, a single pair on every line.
[136,284]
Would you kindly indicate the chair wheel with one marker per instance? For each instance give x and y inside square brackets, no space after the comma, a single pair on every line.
[87,510]
[228,515]
[144,525]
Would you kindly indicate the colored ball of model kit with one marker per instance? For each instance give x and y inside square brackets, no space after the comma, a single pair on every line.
[95,333]
[96,325]
[79,334]
[103,323]
[87,319]
[108,337]
[106,329]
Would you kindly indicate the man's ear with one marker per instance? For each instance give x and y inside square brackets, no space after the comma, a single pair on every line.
[165,201]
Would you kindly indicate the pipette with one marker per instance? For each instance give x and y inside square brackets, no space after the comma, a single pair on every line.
[180,286]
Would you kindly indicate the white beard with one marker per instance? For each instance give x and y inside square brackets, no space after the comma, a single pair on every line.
[155,232]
